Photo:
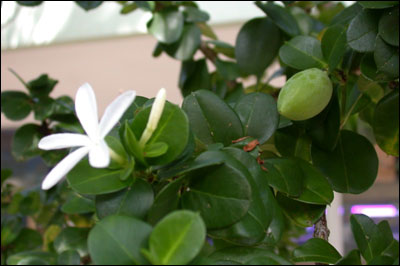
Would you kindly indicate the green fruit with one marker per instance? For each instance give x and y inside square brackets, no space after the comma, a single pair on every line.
[305,94]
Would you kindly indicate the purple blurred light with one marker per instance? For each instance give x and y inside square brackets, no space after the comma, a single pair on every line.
[377,210]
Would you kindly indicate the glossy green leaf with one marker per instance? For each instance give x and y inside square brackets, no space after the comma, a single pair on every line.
[227,69]
[25,142]
[131,143]
[32,258]
[378,4]
[303,214]
[333,45]
[258,114]
[389,26]
[352,258]
[316,250]
[210,126]
[89,5]
[124,237]
[389,242]
[43,107]
[15,105]
[221,194]
[284,175]
[386,131]
[302,52]
[293,142]
[362,31]
[370,71]
[135,200]
[41,86]
[72,238]
[193,14]
[187,45]
[155,149]
[176,239]
[76,204]
[347,14]
[69,257]
[386,58]
[352,166]
[257,45]
[194,76]
[281,17]
[172,129]
[167,25]
[85,179]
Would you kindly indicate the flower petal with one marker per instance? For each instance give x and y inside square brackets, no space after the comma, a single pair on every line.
[99,155]
[63,167]
[63,140]
[114,112]
[86,110]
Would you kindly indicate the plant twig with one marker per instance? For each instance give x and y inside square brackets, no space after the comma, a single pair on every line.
[208,53]
[321,231]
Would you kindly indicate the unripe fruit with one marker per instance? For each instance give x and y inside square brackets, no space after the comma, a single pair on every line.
[305,94]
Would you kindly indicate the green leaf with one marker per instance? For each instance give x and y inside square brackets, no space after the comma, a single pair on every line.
[25,142]
[284,175]
[389,26]
[347,14]
[85,179]
[352,166]
[41,86]
[15,105]
[210,126]
[303,214]
[369,239]
[206,30]
[155,149]
[10,229]
[176,239]
[293,142]
[281,17]
[381,260]
[187,45]
[135,201]
[362,31]
[386,58]
[370,71]
[29,3]
[386,131]
[146,5]
[172,129]
[118,240]
[227,69]
[32,258]
[221,193]
[257,45]
[72,238]
[378,4]
[43,107]
[76,204]
[5,174]
[28,239]
[194,76]
[69,257]
[133,109]
[316,250]
[223,48]
[391,244]
[193,14]
[333,45]
[352,258]
[258,114]
[130,142]
[88,5]
[128,8]
[167,25]
[302,52]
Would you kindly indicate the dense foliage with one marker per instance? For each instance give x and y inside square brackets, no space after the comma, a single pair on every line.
[237,171]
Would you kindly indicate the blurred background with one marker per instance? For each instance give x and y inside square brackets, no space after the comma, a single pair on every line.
[114,54]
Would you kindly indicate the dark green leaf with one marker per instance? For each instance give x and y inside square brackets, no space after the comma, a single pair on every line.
[223,48]
[25,142]
[135,108]
[381,260]
[386,129]
[293,142]
[316,250]
[193,14]
[10,229]
[118,240]
[167,25]
[135,200]
[29,3]
[257,45]
[41,86]
[15,105]
[259,115]
[5,174]
[176,239]
[281,17]
[210,126]
[88,180]
[187,45]
[391,244]
[228,70]
[378,4]
[389,26]
[302,214]
[43,107]
[146,5]
[352,166]
[89,5]
[333,45]
[347,14]
[194,76]
[72,238]
[69,257]
[76,204]
[302,52]
[362,31]
[370,71]
[352,258]
[28,239]
[387,58]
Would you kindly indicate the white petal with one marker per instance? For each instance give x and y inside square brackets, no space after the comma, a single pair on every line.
[63,167]
[114,112]
[63,140]
[99,155]
[86,110]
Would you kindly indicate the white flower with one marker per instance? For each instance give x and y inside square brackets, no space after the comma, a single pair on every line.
[93,143]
